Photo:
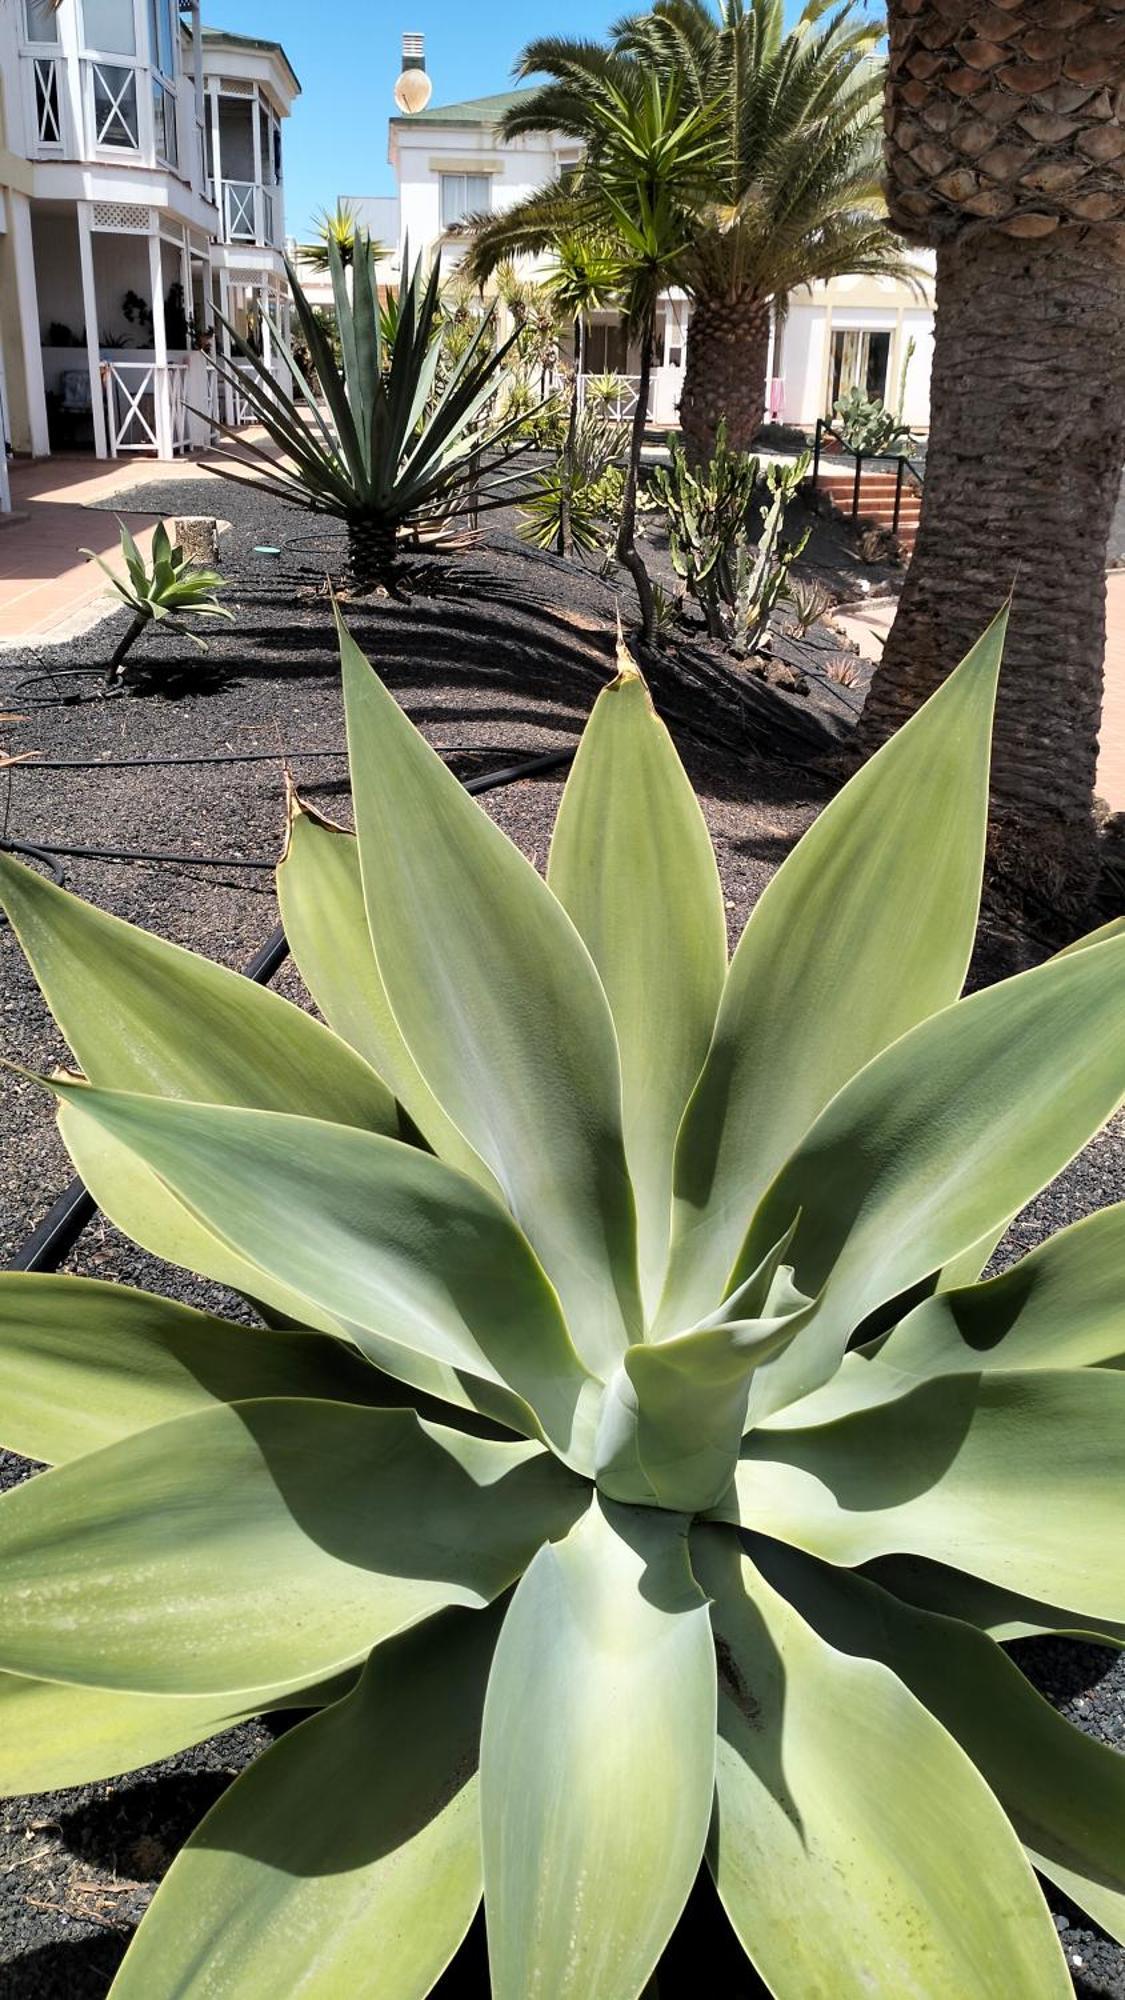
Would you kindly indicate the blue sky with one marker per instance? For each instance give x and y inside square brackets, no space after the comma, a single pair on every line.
[347,57]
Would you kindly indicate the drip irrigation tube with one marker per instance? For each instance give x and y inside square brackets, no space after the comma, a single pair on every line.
[55,1236]
[229,757]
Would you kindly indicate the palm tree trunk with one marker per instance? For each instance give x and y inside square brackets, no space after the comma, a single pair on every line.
[626,550]
[563,542]
[372,551]
[725,373]
[116,669]
[1022,474]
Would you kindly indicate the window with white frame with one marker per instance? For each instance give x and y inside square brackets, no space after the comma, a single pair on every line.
[41,22]
[162,56]
[109,27]
[463,195]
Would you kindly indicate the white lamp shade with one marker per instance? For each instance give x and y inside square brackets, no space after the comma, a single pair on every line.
[413,90]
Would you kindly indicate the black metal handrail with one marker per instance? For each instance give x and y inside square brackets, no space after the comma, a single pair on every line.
[903,466]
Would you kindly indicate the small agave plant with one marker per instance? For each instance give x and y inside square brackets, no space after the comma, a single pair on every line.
[631,1470]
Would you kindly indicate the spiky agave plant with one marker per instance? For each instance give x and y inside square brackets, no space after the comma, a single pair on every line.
[631,1472]
[162,592]
[399,442]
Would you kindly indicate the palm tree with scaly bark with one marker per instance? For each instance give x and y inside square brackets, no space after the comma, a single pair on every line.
[795,196]
[1005,147]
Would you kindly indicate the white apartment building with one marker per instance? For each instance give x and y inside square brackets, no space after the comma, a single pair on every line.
[141,187]
[449,162]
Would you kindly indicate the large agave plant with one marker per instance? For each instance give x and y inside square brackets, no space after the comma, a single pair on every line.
[396,443]
[630,1469]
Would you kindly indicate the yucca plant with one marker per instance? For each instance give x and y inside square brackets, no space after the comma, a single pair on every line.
[576,500]
[632,1470]
[399,441]
[160,592]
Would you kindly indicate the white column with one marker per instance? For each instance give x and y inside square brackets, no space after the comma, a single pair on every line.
[72,82]
[93,348]
[266,307]
[256,141]
[217,163]
[161,405]
[27,307]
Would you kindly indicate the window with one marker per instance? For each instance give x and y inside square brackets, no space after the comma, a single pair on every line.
[109,26]
[462,195]
[162,38]
[115,106]
[164,122]
[41,22]
[859,361]
[607,348]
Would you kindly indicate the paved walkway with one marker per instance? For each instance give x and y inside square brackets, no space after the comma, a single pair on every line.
[868,624]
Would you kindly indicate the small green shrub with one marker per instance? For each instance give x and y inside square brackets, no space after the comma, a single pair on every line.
[632,1473]
[735,580]
[577,500]
[162,593]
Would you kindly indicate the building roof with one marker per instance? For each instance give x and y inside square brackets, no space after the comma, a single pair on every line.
[223,37]
[471,111]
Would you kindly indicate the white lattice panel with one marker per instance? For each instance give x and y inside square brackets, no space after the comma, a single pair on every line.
[122,216]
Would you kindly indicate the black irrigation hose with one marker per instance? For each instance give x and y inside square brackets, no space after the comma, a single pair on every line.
[134,854]
[67,1217]
[226,757]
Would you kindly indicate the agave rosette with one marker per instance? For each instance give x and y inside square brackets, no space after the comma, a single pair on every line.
[631,1469]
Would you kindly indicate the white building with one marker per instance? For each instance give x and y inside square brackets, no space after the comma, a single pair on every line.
[141,186]
[449,162]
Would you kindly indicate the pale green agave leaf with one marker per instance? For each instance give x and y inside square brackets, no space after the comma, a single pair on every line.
[1004,1614]
[1018,1478]
[632,863]
[350,1850]
[1061,1306]
[504,1012]
[855,1847]
[597,1759]
[854,941]
[406,1252]
[83,1363]
[1063,1792]
[320,895]
[54,1734]
[243,1547]
[961,1121]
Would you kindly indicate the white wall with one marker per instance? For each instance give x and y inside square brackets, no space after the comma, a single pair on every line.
[423,152]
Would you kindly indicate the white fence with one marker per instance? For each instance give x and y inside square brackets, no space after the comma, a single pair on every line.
[146,407]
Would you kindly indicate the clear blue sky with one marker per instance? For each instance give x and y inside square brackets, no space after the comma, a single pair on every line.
[346,55]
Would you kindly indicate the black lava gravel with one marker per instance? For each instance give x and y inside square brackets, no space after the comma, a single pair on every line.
[501,653]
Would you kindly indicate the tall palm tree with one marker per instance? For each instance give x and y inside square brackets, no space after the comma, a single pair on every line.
[795,196]
[639,188]
[337,226]
[1006,151]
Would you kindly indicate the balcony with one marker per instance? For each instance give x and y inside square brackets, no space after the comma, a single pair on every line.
[249,212]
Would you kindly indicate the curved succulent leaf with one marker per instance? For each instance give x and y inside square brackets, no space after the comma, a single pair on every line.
[353,1844]
[1017,1478]
[1062,1306]
[1063,1792]
[850,1823]
[854,941]
[143,1014]
[958,1123]
[504,1012]
[384,1239]
[320,895]
[239,1548]
[1004,1614]
[54,1734]
[83,1363]
[597,1759]
[632,863]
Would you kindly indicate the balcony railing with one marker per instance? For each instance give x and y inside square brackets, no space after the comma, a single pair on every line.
[248,212]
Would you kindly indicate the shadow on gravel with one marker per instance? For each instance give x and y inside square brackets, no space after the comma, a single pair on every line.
[77,1969]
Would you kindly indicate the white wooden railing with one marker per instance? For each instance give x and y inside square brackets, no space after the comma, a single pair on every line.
[146,407]
[620,406]
[248,212]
